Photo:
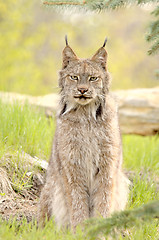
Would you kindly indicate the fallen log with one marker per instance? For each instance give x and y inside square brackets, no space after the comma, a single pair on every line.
[47,102]
[139,111]
[138,108]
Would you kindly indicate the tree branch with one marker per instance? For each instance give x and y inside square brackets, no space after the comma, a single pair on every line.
[64,3]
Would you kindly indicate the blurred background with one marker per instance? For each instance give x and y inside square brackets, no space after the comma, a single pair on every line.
[32,40]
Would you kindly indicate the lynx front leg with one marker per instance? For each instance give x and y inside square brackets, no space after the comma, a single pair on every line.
[105,197]
[76,194]
[105,187]
[44,206]
[102,195]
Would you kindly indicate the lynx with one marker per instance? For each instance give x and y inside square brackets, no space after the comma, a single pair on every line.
[84,177]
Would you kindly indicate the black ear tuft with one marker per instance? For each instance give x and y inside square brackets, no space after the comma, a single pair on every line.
[66,40]
[105,42]
[101,56]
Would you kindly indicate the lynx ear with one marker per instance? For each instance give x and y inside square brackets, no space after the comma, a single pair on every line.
[101,56]
[68,55]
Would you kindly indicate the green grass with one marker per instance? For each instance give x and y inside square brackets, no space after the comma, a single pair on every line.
[13,231]
[27,129]
[23,129]
[141,153]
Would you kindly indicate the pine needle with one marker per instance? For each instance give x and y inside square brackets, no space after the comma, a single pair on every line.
[122,221]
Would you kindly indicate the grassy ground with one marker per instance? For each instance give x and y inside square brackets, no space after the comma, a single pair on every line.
[26,129]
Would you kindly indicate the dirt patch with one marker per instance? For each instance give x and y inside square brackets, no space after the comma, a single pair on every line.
[21,180]
[18,208]
[19,205]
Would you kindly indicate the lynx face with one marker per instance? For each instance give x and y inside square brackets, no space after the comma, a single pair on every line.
[83,81]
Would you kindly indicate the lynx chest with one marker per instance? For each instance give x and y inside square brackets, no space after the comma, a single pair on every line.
[81,141]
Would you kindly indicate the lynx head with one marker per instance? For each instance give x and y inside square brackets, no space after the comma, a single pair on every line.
[83,81]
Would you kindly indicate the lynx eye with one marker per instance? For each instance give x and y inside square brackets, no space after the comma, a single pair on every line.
[92,79]
[74,77]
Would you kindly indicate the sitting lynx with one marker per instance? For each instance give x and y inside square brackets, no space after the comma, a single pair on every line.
[84,177]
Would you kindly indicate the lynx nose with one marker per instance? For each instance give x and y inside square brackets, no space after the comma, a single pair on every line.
[82,90]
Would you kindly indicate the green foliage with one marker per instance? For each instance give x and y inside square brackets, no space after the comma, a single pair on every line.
[20,62]
[99,5]
[140,223]
[143,189]
[32,39]
[20,183]
[141,153]
[153,35]
[25,129]
[119,222]
[15,231]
